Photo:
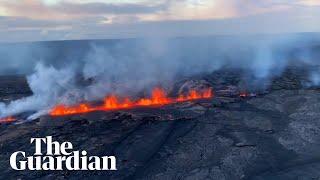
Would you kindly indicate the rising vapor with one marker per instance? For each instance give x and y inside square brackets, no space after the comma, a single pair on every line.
[90,70]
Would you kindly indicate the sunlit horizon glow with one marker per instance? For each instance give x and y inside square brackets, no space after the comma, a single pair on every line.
[48,19]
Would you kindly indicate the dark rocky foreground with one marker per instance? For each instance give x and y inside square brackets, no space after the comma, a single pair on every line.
[275,135]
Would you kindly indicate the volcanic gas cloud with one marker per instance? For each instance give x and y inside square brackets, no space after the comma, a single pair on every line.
[112,102]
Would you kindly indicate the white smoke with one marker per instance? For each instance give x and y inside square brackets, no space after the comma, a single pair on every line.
[48,85]
[315,78]
[130,67]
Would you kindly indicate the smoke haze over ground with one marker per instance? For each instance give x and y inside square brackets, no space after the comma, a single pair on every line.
[56,70]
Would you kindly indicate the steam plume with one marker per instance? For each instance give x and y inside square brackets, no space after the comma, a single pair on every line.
[129,66]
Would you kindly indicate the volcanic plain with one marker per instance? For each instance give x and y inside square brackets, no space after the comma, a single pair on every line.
[271,133]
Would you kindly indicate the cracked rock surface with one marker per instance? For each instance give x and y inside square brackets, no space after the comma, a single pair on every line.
[274,136]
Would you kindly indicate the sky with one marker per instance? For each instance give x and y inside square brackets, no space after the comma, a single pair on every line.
[40,20]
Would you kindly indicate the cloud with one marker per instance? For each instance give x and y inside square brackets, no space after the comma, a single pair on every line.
[310,2]
[149,10]
[12,22]
[59,11]
[104,8]
[70,19]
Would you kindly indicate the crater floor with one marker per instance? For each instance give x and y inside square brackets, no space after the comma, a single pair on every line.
[272,136]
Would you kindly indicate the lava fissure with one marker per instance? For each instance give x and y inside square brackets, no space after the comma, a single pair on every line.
[111,103]
[7,119]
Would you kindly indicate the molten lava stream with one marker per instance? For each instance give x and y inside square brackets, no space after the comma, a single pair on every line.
[244,95]
[7,119]
[112,102]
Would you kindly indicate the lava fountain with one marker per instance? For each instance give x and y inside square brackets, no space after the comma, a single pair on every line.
[112,102]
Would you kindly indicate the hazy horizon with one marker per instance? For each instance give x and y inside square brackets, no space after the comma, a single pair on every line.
[50,20]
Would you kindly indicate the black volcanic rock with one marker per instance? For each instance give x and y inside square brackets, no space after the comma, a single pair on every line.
[13,87]
[272,136]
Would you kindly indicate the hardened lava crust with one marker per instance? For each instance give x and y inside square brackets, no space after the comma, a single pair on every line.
[272,134]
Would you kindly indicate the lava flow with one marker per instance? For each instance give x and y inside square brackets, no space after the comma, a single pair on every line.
[7,119]
[112,102]
[244,95]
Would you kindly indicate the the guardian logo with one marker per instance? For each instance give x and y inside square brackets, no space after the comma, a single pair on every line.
[59,157]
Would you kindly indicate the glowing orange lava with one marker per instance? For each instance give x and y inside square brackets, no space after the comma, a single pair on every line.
[244,95]
[7,119]
[110,103]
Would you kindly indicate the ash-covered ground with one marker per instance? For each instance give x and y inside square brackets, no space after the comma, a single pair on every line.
[274,134]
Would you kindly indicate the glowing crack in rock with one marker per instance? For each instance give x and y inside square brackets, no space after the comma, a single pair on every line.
[112,102]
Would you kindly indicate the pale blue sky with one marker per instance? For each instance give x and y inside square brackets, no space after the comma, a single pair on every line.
[33,20]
